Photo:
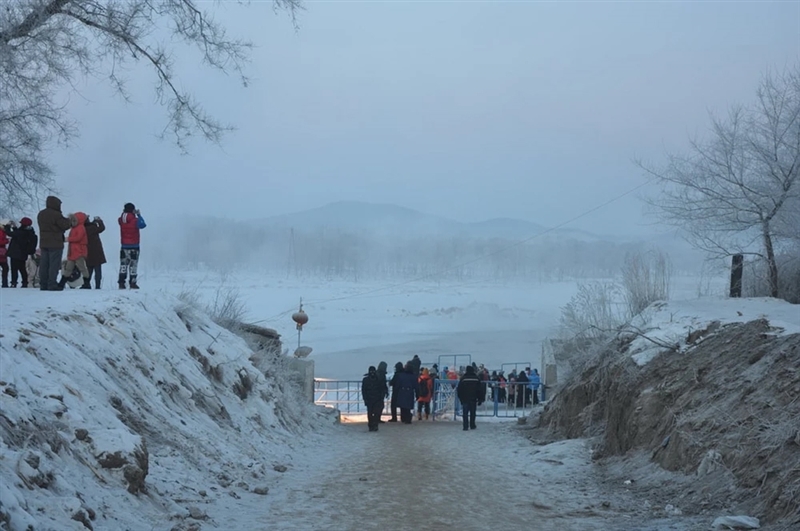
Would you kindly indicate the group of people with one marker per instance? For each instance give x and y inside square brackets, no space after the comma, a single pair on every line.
[412,383]
[32,264]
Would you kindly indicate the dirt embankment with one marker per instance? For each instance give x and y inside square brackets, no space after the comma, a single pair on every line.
[723,418]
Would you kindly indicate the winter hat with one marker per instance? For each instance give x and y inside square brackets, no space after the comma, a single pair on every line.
[26,222]
[470,369]
[129,207]
[372,369]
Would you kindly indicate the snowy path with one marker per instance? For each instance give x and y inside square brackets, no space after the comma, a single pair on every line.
[434,476]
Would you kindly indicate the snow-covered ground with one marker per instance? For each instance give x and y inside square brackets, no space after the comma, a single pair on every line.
[99,387]
[90,379]
[671,323]
[356,324]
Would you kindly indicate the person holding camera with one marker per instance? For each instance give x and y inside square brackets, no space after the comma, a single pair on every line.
[130,223]
[96,257]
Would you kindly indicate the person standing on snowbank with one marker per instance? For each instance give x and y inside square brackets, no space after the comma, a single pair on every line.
[5,228]
[76,253]
[372,391]
[23,244]
[96,257]
[52,226]
[130,223]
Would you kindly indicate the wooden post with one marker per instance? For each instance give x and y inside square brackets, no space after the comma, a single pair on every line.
[737,268]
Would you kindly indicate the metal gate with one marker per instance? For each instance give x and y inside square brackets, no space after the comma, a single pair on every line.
[345,395]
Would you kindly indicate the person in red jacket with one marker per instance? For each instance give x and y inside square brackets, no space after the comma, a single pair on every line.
[76,253]
[424,394]
[130,223]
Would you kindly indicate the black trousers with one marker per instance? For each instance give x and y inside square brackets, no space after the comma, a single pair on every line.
[374,414]
[406,415]
[4,268]
[424,405]
[393,407]
[468,413]
[96,272]
[18,269]
[49,266]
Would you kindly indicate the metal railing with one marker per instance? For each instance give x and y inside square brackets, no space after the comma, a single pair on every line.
[345,395]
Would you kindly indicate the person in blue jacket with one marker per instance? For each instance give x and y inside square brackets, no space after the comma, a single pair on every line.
[536,382]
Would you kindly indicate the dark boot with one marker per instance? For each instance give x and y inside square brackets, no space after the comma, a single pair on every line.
[122,281]
[134,285]
[61,283]
[86,284]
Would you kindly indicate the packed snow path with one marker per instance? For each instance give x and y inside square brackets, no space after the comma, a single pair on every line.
[435,476]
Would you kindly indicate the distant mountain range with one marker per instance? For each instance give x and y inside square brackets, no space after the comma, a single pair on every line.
[392,220]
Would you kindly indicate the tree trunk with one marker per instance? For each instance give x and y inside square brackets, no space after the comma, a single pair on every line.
[737,266]
[772,266]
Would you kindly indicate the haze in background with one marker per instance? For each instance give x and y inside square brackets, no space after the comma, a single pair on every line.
[469,111]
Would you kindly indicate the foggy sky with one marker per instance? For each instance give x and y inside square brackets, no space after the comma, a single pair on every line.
[467,110]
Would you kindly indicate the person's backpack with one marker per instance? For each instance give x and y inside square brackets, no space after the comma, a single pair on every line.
[422,389]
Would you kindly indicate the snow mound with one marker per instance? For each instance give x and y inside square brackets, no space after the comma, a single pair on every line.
[679,325]
[118,408]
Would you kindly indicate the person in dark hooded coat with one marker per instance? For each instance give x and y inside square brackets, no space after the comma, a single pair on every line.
[23,244]
[471,392]
[406,393]
[372,391]
[394,383]
[382,376]
[416,365]
[522,389]
[96,257]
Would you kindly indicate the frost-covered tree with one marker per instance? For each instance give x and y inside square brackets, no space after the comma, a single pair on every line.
[46,44]
[735,192]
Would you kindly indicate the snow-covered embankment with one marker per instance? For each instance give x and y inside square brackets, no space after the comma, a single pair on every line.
[121,410]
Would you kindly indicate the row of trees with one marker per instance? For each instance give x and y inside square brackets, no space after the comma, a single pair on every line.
[737,191]
[335,253]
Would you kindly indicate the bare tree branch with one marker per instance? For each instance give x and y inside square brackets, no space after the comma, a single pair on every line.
[45,44]
[738,190]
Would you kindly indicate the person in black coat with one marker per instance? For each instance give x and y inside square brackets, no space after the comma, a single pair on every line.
[394,383]
[471,392]
[406,393]
[416,365]
[522,391]
[372,390]
[23,244]
[384,382]
[96,257]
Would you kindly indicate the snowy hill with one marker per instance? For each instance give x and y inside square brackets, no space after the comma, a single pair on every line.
[683,324]
[696,402]
[125,410]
